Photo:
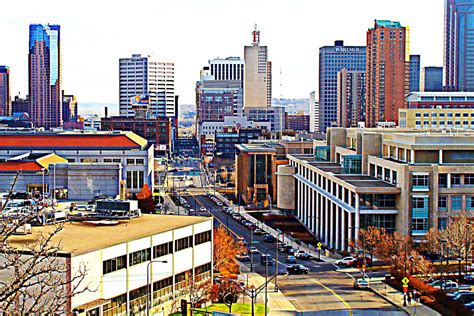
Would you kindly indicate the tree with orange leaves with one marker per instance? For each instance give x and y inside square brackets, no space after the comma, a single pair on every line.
[226,249]
[145,199]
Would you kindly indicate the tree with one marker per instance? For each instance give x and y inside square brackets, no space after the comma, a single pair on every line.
[145,199]
[34,275]
[370,238]
[226,291]
[226,249]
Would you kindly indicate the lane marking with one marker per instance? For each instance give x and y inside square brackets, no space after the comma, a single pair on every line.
[336,295]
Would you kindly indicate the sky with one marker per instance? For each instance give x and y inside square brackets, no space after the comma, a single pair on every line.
[95,34]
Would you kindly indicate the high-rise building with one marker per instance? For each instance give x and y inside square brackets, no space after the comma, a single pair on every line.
[147,75]
[257,74]
[69,107]
[333,59]
[230,68]
[415,73]
[313,113]
[5,99]
[387,71]
[459,45]
[45,75]
[350,98]
[20,105]
[431,79]
[297,122]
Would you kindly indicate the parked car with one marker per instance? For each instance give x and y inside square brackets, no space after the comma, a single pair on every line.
[203,209]
[344,261]
[297,269]
[358,262]
[290,259]
[451,286]
[360,284]
[219,203]
[469,278]
[464,297]
[268,238]
[301,254]
[258,231]
[253,250]
[292,251]
[243,257]
[264,259]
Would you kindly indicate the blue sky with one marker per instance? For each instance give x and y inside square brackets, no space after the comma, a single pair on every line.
[95,34]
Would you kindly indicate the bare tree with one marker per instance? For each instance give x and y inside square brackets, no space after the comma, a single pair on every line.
[34,278]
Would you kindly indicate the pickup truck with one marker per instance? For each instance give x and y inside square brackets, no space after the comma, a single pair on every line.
[451,286]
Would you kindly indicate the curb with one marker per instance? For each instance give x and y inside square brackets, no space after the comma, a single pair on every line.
[389,300]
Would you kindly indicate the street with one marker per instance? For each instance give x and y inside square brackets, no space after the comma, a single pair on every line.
[322,289]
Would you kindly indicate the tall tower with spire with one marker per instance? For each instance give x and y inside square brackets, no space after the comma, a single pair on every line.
[258,74]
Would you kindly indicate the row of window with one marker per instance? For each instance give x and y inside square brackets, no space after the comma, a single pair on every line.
[456,180]
[144,255]
[442,114]
[456,203]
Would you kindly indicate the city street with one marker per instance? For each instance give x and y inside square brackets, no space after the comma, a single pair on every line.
[323,289]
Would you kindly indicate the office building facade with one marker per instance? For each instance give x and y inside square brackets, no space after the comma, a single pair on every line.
[5,98]
[298,122]
[387,71]
[415,68]
[333,59]
[45,75]
[230,68]
[458,45]
[69,108]
[149,76]
[20,105]
[350,98]
[274,115]
[313,113]
[257,74]
[431,79]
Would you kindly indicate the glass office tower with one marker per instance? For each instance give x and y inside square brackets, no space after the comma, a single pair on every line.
[459,45]
[45,75]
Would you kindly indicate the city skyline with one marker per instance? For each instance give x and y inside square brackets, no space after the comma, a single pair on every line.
[92,43]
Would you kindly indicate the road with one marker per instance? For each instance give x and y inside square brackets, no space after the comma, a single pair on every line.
[323,290]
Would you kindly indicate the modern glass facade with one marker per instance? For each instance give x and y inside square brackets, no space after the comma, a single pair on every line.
[415,73]
[333,59]
[45,75]
[459,45]
[432,79]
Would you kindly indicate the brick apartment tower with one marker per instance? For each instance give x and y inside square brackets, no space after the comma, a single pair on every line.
[387,72]
[45,76]
[5,99]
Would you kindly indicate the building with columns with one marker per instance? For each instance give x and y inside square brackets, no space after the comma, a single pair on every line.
[404,180]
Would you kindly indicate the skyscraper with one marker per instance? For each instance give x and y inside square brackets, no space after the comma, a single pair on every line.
[45,75]
[350,98]
[431,79]
[313,113]
[333,59]
[147,75]
[459,45]
[415,73]
[230,68]
[387,71]
[5,99]
[69,107]
[258,74]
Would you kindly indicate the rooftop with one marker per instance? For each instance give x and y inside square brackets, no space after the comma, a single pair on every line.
[258,147]
[31,166]
[81,238]
[387,23]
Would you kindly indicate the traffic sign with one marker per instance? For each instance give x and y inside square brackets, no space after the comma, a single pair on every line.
[405,281]
[319,245]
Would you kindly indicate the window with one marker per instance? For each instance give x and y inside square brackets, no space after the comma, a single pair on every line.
[469,179]
[419,225]
[139,162]
[456,203]
[469,203]
[114,264]
[202,237]
[135,179]
[421,181]
[139,257]
[164,287]
[443,180]
[455,180]
[89,160]
[163,249]
[130,162]
[419,203]
[442,203]
[442,223]
[107,160]
[183,243]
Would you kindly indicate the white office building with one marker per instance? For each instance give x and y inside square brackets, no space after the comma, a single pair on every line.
[147,75]
[313,113]
[230,68]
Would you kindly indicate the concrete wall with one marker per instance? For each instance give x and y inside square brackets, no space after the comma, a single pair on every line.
[286,187]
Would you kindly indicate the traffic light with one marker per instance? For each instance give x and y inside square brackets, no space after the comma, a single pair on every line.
[184,307]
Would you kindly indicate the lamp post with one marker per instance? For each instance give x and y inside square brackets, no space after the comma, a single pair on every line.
[468,239]
[149,297]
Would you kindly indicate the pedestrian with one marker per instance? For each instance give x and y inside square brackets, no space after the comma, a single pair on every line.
[409,298]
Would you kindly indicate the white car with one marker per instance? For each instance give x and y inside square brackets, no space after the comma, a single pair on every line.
[202,209]
[344,261]
[219,203]
[253,250]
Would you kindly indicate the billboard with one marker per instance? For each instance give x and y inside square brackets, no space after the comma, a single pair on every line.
[142,99]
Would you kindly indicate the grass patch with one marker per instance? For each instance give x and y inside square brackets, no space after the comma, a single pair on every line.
[237,308]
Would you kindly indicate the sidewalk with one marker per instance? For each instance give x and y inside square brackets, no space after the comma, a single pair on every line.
[396,298]
[278,304]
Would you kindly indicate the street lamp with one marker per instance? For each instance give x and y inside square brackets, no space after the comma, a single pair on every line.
[149,297]
[468,239]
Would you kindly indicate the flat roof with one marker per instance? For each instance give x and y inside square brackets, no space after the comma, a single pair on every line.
[80,238]
[258,147]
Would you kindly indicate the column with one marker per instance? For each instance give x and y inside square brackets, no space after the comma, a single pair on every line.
[405,158]
[440,157]
[332,206]
[449,181]
[412,156]
[343,230]
[317,217]
[357,219]
[337,229]
[349,227]
[326,219]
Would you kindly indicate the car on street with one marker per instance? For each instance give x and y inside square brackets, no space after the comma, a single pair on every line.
[203,209]
[358,262]
[292,251]
[297,269]
[253,250]
[451,286]
[344,261]
[268,238]
[258,231]
[303,255]
[469,278]
[243,257]
[290,259]
[265,258]
[360,284]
